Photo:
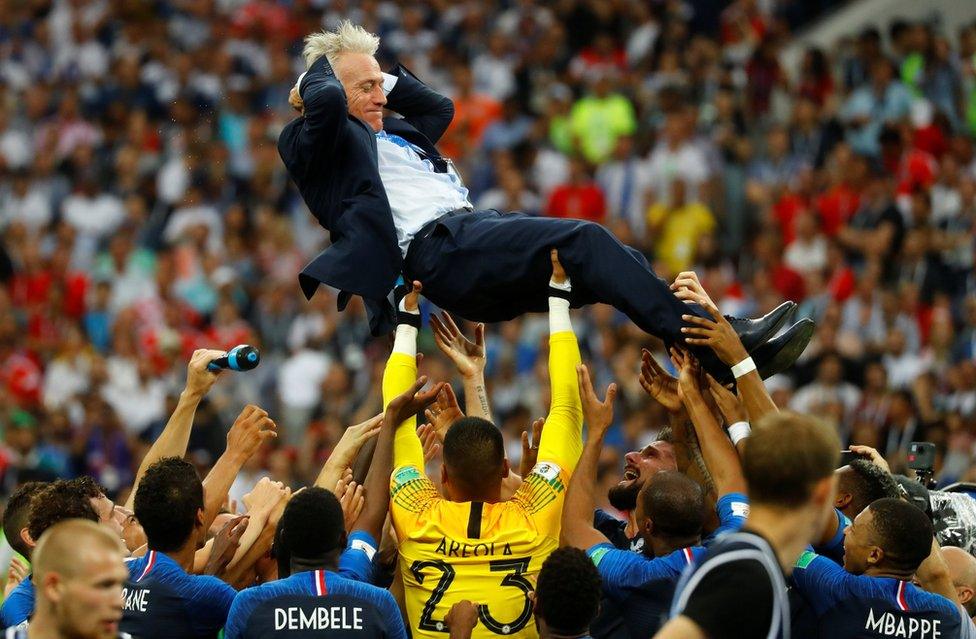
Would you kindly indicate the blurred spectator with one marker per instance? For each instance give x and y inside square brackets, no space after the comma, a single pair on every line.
[580,197]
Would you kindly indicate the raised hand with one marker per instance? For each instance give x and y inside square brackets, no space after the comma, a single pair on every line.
[461,619]
[728,402]
[871,455]
[264,497]
[347,448]
[411,401]
[16,573]
[431,441]
[558,272]
[251,429]
[352,498]
[659,384]
[715,333]
[444,411]
[530,448]
[598,414]
[468,356]
[411,302]
[689,375]
[199,380]
[689,289]
[226,544]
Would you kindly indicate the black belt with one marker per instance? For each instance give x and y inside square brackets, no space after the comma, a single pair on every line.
[427,229]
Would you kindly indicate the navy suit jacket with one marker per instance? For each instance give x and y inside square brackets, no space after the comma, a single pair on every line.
[331,157]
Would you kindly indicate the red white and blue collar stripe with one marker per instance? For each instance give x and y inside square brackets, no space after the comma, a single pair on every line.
[320,589]
[150,562]
[689,556]
[900,598]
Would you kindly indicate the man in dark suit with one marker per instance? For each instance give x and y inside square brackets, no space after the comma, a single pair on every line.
[394,205]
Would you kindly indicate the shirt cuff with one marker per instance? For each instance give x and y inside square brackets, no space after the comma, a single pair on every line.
[389,81]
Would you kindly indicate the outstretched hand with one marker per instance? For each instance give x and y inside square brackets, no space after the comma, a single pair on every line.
[251,429]
[715,333]
[411,402]
[468,357]
[530,447]
[444,411]
[411,302]
[558,272]
[659,384]
[598,414]
[689,375]
[727,401]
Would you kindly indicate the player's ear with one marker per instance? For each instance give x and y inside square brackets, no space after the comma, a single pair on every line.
[875,555]
[53,587]
[27,539]
[843,500]
[965,594]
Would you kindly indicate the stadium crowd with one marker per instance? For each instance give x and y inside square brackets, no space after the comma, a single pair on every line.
[145,216]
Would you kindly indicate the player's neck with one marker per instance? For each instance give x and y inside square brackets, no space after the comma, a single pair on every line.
[184,556]
[43,625]
[662,546]
[788,532]
[491,495]
[889,572]
[330,562]
[546,633]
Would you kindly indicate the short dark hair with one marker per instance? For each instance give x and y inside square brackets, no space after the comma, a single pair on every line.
[167,501]
[568,591]
[17,512]
[92,488]
[60,500]
[675,503]
[867,482]
[786,455]
[312,524]
[902,531]
[474,452]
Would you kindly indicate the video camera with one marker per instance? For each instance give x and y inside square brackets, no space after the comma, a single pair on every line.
[921,459]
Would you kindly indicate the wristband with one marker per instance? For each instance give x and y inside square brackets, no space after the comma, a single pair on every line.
[739,431]
[744,367]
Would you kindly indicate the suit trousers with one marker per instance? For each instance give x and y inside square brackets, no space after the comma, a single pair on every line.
[487,266]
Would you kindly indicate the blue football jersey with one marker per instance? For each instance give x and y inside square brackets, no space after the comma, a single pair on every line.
[19,604]
[846,606]
[315,604]
[164,601]
[637,590]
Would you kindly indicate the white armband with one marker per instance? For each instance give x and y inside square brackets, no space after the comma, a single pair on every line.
[744,367]
[739,431]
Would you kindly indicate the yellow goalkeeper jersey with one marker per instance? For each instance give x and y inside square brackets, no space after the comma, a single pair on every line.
[488,553]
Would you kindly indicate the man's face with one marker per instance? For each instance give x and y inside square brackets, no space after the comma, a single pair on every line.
[639,466]
[133,536]
[362,80]
[88,605]
[860,552]
[107,514]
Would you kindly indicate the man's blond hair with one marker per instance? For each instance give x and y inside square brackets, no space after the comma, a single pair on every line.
[347,38]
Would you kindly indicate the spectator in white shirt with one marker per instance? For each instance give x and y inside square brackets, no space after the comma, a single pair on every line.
[903,366]
[808,250]
[829,387]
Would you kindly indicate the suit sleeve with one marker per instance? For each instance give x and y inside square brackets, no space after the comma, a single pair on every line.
[325,109]
[423,108]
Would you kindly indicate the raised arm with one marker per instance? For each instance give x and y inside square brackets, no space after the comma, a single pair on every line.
[720,455]
[346,450]
[323,106]
[469,359]
[425,109]
[172,442]
[562,438]
[577,519]
[251,429]
[719,335]
[400,374]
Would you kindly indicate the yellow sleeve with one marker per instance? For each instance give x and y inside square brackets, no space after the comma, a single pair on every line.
[399,375]
[562,437]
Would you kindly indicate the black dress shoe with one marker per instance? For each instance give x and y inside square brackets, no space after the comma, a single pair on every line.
[781,352]
[755,332]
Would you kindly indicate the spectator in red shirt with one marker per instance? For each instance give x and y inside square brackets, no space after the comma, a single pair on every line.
[580,198]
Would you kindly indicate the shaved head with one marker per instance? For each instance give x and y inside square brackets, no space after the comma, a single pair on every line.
[63,547]
[79,574]
[962,570]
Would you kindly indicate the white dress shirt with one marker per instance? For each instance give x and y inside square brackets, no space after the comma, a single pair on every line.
[416,192]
